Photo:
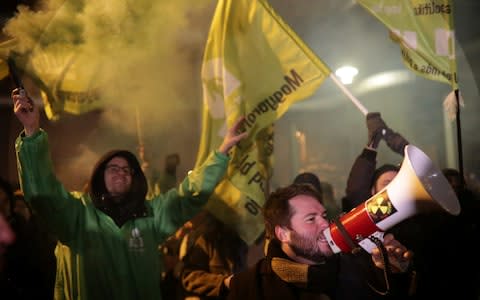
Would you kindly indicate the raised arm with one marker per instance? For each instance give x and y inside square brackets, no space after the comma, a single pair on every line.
[38,181]
[179,205]
[26,112]
[360,177]
[378,129]
[232,137]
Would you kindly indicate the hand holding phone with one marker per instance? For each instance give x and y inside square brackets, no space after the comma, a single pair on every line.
[18,83]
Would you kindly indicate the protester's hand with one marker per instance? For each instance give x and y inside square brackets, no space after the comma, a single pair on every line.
[26,111]
[375,126]
[395,141]
[399,256]
[232,137]
[227,280]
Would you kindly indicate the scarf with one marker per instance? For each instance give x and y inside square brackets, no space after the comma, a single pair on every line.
[122,211]
[317,278]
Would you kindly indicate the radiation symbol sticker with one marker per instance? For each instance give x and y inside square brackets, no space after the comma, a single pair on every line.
[380,207]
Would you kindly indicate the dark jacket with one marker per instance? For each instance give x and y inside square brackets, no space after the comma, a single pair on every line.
[29,267]
[278,277]
[216,252]
[360,180]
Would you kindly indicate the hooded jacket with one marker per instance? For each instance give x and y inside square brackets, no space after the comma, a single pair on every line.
[112,250]
[132,205]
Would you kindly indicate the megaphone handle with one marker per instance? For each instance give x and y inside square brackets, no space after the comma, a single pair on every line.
[376,239]
[368,244]
[386,265]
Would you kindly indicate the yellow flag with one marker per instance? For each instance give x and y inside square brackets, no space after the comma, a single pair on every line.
[65,78]
[254,66]
[49,49]
[63,75]
[424,30]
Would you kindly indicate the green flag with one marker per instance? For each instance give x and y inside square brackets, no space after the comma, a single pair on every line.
[425,33]
[254,66]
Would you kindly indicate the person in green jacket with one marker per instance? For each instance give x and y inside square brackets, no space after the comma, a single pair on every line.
[112,232]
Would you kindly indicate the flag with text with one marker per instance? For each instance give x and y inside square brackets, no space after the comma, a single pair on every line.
[424,30]
[254,66]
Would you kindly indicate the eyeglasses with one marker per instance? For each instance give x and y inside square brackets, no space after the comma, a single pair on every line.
[116,169]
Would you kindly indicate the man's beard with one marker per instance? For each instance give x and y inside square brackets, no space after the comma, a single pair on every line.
[306,247]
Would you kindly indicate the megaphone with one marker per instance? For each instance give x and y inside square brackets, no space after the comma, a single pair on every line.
[418,187]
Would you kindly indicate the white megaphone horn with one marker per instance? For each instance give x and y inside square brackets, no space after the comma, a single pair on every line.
[418,187]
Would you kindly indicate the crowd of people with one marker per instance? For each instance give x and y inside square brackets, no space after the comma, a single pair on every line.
[119,240]
[112,232]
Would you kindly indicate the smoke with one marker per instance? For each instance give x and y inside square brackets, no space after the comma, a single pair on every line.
[143,55]
[146,57]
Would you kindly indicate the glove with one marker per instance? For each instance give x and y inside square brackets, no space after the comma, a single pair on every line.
[375,126]
[395,141]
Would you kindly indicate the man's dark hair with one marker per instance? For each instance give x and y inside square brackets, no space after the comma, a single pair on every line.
[96,186]
[309,178]
[381,170]
[455,179]
[277,212]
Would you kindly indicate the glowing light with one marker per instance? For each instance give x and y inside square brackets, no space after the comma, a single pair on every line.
[346,74]
[383,80]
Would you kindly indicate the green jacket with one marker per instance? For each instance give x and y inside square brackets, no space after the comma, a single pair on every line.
[105,261]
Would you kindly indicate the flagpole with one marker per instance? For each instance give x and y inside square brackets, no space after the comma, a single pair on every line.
[459,137]
[141,146]
[139,128]
[344,89]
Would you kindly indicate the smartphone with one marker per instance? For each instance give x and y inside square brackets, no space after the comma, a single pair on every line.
[17,81]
